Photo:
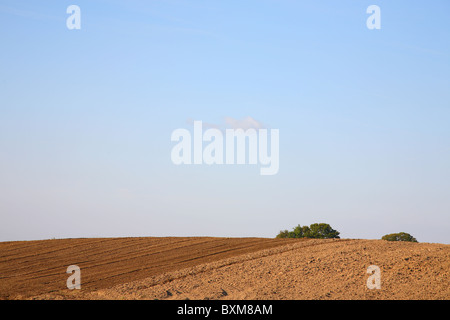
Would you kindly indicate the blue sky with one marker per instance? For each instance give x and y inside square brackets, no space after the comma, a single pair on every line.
[86,117]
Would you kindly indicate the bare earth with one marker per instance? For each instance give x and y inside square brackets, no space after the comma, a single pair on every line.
[226,268]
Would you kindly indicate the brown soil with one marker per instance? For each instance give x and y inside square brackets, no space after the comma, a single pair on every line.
[259,269]
[30,268]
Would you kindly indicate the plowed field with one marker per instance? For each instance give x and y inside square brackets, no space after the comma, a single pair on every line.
[224,268]
[30,268]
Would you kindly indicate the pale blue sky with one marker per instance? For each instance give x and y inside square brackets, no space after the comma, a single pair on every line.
[86,117]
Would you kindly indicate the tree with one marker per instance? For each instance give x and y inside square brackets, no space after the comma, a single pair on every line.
[316,230]
[283,234]
[322,231]
[301,232]
[401,236]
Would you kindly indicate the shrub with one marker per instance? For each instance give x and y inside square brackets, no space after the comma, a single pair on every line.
[283,234]
[401,236]
[316,230]
[322,231]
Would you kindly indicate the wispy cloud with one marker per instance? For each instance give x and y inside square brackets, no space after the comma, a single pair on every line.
[229,122]
[246,123]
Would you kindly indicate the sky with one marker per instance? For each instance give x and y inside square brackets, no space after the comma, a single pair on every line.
[86,117]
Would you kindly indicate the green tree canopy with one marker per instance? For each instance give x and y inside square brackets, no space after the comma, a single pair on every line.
[401,236]
[322,231]
[283,234]
[316,230]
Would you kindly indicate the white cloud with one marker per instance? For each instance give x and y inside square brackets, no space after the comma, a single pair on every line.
[246,123]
